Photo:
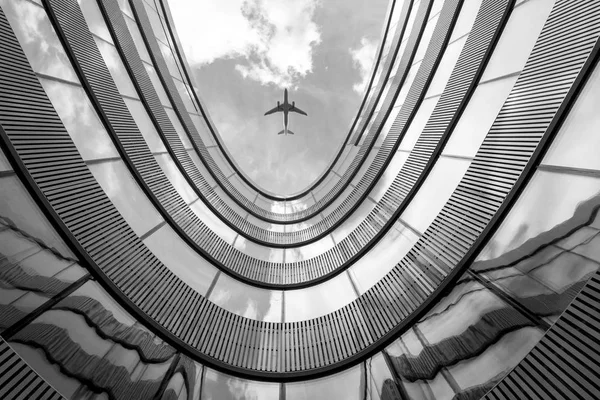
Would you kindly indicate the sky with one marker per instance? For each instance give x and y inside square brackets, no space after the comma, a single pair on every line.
[244,52]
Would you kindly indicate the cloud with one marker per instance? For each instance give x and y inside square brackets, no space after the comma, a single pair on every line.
[274,39]
[363,58]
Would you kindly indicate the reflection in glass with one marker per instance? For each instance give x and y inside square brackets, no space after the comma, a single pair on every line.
[38,39]
[219,386]
[182,260]
[315,301]
[347,385]
[247,301]
[478,117]
[93,340]
[380,381]
[309,251]
[577,141]
[17,205]
[213,222]
[145,125]
[124,192]
[176,178]
[137,39]
[518,38]
[94,20]
[112,59]
[80,120]
[371,267]
[30,273]
[435,191]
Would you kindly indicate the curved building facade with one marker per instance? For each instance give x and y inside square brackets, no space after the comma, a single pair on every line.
[449,251]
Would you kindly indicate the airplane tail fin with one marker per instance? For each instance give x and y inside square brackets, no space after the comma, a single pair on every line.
[281,133]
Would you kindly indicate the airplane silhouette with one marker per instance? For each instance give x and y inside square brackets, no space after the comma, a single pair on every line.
[285,108]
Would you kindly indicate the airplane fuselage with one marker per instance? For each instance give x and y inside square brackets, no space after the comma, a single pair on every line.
[285,108]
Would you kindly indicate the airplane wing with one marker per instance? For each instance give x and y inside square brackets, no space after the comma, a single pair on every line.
[297,110]
[273,110]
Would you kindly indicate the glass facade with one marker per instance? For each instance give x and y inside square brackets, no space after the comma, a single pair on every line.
[484,279]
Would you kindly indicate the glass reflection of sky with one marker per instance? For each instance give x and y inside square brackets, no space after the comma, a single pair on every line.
[182,260]
[247,301]
[38,39]
[315,301]
[219,386]
[347,385]
[79,118]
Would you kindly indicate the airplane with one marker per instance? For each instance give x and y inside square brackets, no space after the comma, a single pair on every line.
[285,108]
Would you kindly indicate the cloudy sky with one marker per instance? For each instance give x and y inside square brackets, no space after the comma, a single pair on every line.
[244,52]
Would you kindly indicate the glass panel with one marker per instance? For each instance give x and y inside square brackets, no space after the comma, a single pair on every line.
[325,186]
[435,192]
[242,187]
[353,221]
[470,331]
[418,123]
[207,176]
[342,197]
[205,134]
[106,343]
[213,222]
[155,21]
[270,205]
[305,224]
[518,38]
[315,301]
[478,117]
[380,382]
[348,160]
[443,72]
[259,251]
[425,39]
[309,251]
[145,125]
[4,163]
[181,259]
[20,208]
[247,301]
[185,96]
[388,177]
[465,21]
[265,225]
[436,7]
[365,167]
[29,274]
[387,126]
[577,142]
[549,199]
[347,385]
[294,206]
[183,136]
[126,195]
[412,73]
[168,56]
[94,19]
[219,386]
[112,59]
[222,164]
[160,91]
[80,119]
[137,39]
[373,266]
[176,178]
[232,204]
[125,8]
[38,39]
